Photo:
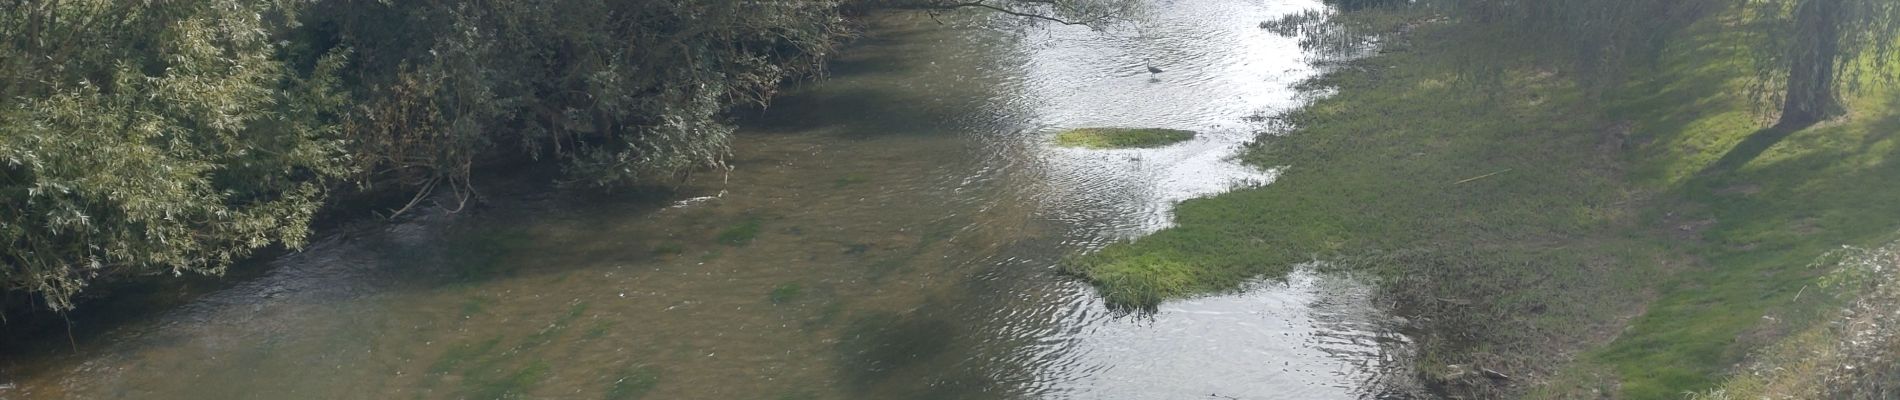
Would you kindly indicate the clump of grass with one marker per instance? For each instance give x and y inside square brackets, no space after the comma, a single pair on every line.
[668,249]
[741,233]
[633,383]
[786,293]
[1121,138]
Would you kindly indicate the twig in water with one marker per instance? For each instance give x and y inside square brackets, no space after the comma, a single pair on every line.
[1481,176]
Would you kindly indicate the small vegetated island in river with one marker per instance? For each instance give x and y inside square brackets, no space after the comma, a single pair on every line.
[1121,138]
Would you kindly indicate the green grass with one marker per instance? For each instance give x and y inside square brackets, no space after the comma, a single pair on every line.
[633,383]
[1365,185]
[742,233]
[1535,237]
[1773,203]
[785,293]
[665,249]
[486,368]
[1471,200]
[478,363]
[1121,138]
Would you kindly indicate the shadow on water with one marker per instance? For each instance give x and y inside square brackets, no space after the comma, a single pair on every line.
[883,345]
[498,239]
[857,112]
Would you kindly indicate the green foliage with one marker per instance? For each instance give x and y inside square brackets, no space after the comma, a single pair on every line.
[618,91]
[1121,138]
[1596,41]
[161,138]
[179,136]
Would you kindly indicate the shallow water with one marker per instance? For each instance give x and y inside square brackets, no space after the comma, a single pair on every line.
[890,232]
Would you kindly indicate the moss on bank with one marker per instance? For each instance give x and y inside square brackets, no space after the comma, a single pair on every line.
[1631,243]
[1121,138]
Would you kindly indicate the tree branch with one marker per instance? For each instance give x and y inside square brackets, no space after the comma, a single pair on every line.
[983,5]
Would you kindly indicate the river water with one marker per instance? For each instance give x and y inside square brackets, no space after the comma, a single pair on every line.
[891,232]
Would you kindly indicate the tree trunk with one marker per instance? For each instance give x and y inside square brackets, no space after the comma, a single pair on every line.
[1813,61]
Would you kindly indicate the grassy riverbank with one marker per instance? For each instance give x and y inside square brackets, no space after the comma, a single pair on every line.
[1642,241]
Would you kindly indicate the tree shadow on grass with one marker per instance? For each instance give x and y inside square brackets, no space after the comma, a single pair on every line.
[1748,149]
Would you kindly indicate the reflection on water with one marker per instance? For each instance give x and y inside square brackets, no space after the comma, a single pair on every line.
[889,233]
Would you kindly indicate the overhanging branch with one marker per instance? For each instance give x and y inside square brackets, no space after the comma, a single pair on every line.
[1006,10]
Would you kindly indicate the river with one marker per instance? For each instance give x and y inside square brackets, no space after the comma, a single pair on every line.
[889,232]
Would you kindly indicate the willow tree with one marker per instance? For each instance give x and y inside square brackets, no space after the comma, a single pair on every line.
[152,138]
[1814,48]
[618,92]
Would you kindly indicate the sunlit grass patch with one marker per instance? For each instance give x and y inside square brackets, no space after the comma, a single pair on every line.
[1754,205]
[1855,352]
[1121,138]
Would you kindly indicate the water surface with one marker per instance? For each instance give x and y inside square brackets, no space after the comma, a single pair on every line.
[890,232]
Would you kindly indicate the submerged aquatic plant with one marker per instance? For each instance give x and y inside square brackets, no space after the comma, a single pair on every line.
[1121,138]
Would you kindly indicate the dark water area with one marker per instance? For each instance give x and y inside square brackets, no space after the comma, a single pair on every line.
[890,232]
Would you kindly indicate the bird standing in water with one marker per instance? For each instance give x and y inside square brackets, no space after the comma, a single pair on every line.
[1153,70]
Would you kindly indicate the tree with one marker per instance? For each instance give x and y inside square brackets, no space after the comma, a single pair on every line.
[618,92]
[1812,47]
[160,138]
